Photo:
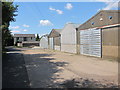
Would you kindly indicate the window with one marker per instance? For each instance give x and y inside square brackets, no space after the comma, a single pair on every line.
[25,38]
[17,38]
[110,17]
[31,38]
[101,19]
[92,23]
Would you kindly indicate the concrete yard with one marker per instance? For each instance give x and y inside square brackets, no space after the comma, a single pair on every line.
[48,68]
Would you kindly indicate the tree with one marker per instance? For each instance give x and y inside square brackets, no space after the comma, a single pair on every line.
[37,38]
[8,13]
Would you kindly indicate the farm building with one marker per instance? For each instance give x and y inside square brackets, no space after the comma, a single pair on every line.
[25,40]
[24,37]
[30,43]
[55,39]
[68,38]
[99,35]
[44,41]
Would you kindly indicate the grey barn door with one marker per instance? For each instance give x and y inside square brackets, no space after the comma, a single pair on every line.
[51,43]
[90,42]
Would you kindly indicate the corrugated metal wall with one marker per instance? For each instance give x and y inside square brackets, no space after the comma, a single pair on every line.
[68,39]
[109,35]
[51,43]
[44,42]
[57,43]
[110,39]
[90,42]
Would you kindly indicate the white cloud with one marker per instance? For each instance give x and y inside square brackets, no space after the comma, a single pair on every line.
[111,5]
[45,23]
[68,6]
[26,25]
[52,8]
[15,31]
[57,10]
[25,30]
[14,27]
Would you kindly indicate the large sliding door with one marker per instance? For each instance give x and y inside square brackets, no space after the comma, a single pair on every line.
[51,41]
[90,42]
[57,43]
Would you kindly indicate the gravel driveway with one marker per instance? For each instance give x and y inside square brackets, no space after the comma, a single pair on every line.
[39,68]
[48,69]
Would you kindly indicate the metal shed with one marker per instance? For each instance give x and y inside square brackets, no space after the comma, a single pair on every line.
[55,39]
[99,35]
[44,41]
[68,38]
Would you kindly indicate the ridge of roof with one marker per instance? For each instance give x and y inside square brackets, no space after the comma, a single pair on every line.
[24,35]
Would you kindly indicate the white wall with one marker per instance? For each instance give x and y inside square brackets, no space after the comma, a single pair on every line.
[57,47]
[44,42]
[68,38]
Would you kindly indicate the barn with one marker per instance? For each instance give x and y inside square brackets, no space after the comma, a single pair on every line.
[99,36]
[44,41]
[55,39]
[68,38]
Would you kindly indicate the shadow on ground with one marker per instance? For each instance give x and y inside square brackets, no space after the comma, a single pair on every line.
[42,70]
[39,71]
[29,70]
[12,49]
[14,73]
[86,83]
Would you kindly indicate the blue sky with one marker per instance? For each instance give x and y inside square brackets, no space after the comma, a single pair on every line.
[42,17]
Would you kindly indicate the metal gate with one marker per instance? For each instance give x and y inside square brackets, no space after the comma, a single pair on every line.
[51,40]
[90,42]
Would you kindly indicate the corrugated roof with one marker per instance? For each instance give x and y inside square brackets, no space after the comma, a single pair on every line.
[55,33]
[24,35]
[58,30]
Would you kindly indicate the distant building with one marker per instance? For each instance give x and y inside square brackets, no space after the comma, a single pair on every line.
[68,38]
[25,40]
[44,41]
[55,39]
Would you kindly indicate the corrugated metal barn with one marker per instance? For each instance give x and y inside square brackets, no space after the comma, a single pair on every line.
[55,39]
[44,42]
[68,38]
[99,35]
